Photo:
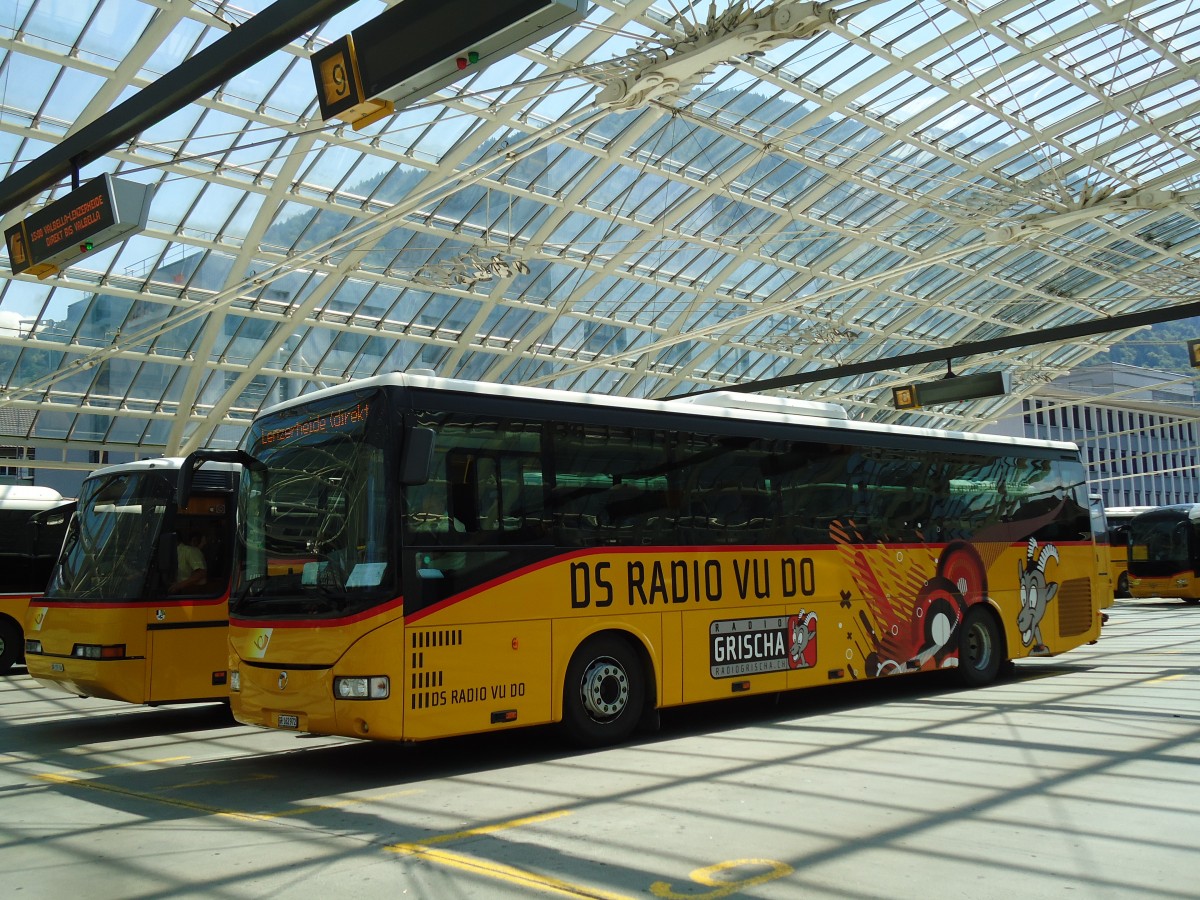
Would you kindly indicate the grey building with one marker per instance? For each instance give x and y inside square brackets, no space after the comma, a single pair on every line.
[1139,430]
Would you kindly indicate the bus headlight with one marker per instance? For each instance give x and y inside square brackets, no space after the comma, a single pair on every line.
[32,646]
[98,651]
[235,681]
[368,687]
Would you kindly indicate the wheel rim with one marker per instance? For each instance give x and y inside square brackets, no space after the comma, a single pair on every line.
[604,689]
[978,647]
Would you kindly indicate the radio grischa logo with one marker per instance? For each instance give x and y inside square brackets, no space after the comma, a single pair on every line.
[768,644]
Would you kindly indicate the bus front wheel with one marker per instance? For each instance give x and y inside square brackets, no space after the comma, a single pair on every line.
[604,691]
[11,650]
[981,647]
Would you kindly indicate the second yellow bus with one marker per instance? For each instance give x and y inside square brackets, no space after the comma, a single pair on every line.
[137,605]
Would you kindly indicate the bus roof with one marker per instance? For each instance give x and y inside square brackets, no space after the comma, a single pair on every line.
[139,465]
[753,407]
[1125,512]
[168,463]
[27,496]
[1181,510]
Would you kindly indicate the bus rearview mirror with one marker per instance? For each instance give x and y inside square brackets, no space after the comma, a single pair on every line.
[417,460]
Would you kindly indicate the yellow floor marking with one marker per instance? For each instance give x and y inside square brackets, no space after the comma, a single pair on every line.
[214,810]
[338,804]
[1164,678]
[128,765]
[216,782]
[142,762]
[512,875]
[142,795]
[424,848]
[518,877]
[717,876]
[483,829]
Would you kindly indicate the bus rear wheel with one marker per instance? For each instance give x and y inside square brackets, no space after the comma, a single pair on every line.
[1123,585]
[11,650]
[604,692]
[981,648]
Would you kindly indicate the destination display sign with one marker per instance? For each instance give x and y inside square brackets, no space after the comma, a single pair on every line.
[951,389]
[88,219]
[413,49]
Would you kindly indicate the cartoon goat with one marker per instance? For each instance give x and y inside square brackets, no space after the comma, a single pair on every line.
[1036,593]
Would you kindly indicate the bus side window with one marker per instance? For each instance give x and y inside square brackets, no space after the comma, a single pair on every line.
[488,494]
[494,492]
[611,486]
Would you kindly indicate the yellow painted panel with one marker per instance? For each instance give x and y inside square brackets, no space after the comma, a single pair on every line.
[470,678]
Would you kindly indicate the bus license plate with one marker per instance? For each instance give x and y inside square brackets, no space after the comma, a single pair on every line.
[289,721]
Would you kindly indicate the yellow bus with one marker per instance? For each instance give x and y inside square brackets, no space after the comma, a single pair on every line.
[1118,519]
[119,620]
[32,521]
[1164,552]
[428,557]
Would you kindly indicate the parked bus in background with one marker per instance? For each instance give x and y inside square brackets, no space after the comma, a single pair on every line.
[1118,519]
[136,608]
[1164,553]
[428,557]
[32,521]
[1099,526]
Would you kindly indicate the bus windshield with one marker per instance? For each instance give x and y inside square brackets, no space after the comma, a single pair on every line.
[32,526]
[1159,543]
[109,551]
[316,520]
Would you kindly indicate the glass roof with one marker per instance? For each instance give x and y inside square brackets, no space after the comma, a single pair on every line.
[664,198]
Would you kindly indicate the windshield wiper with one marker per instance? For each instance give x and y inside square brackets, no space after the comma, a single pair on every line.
[335,597]
[255,588]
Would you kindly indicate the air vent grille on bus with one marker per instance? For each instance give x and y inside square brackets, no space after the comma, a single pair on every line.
[1075,613]
[212,480]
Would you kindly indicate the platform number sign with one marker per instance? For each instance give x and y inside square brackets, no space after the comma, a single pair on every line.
[339,85]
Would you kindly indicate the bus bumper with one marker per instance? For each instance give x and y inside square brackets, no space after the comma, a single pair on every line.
[303,700]
[105,679]
[283,697]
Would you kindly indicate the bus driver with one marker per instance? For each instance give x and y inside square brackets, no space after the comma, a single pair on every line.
[192,571]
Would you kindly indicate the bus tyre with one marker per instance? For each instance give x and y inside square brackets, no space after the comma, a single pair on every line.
[604,692]
[981,647]
[11,650]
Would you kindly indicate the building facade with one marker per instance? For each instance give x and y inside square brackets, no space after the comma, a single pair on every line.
[1139,430]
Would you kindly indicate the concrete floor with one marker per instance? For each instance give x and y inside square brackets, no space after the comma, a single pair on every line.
[1078,777]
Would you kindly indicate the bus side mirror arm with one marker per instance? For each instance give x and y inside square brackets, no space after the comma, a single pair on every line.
[417,460]
[197,458]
